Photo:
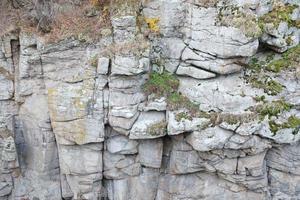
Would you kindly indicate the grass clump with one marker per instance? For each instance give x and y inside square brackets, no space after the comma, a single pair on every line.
[273,109]
[292,122]
[259,70]
[289,59]
[245,21]
[177,101]
[292,54]
[232,119]
[161,85]
[280,13]
[260,98]
[277,65]
[166,85]
[94,61]
[269,85]
[206,3]
[122,8]
[159,128]
[183,115]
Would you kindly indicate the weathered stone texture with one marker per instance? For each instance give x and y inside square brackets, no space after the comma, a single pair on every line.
[76,123]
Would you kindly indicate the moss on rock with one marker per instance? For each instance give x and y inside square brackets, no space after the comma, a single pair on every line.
[273,108]
[280,13]
[161,85]
[236,17]
[292,122]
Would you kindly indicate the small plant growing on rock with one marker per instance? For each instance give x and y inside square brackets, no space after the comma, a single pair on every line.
[166,85]
[264,82]
[161,85]
[94,61]
[218,118]
[178,101]
[206,3]
[292,122]
[272,109]
[290,59]
[153,24]
[257,78]
[245,21]
[280,13]
[259,71]
[6,73]
[158,128]
[137,48]
[122,8]
[260,98]
[183,115]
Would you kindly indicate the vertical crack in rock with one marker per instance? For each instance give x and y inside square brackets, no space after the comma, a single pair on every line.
[15,49]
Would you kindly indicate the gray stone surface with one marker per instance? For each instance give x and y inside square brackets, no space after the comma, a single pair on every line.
[209,139]
[176,126]
[122,145]
[149,125]
[72,130]
[150,152]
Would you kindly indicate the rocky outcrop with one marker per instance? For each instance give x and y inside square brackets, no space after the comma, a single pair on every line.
[178,105]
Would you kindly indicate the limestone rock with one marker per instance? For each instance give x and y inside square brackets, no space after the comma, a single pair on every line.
[124,28]
[177,126]
[210,63]
[103,65]
[149,125]
[75,122]
[209,139]
[211,41]
[154,105]
[285,159]
[223,94]
[122,65]
[150,152]
[287,189]
[192,186]
[75,107]
[117,166]
[194,72]
[121,145]
[184,159]
[6,86]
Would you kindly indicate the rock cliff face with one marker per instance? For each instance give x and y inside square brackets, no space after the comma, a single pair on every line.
[202,101]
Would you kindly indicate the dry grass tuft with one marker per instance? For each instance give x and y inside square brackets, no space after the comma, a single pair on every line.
[55,20]
[137,48]
[77,24]
[8,18]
